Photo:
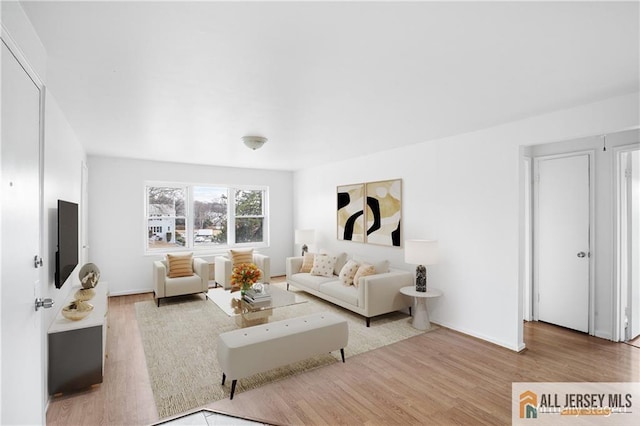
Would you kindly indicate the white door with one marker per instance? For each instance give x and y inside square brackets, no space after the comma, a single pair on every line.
[562,246]
[22,356]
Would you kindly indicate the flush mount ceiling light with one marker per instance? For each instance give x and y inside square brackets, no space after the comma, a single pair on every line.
[254,142]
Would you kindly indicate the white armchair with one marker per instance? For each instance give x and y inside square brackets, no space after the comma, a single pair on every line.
[168,287]
[224,268]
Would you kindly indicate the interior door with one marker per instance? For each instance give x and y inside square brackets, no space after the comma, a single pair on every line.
[22,356]
[562,246]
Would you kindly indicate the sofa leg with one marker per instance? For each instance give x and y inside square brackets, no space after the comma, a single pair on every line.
[287,286]
[342,354]
[368,321]
[410,311]
[158,301]
[224,377]
[233,388]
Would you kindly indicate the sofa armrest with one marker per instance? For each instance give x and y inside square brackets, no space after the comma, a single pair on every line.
[381,292]
[223,267]
[159,275]
[293,265]
[201,269]
[263,262]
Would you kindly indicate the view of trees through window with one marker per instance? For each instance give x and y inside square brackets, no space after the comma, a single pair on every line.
[199,216]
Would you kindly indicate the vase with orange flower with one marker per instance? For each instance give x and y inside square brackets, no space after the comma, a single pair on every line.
[244,276]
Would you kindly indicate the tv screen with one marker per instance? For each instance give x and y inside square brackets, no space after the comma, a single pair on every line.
[67,254]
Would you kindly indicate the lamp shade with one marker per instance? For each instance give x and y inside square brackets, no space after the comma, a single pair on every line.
[304,236]
[421,252]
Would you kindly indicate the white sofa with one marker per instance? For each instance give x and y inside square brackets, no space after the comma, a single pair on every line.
[168,287]
[224,268]
[375,294]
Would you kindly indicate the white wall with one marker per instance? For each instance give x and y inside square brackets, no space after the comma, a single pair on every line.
[463,190]
[63,156]
[117,228]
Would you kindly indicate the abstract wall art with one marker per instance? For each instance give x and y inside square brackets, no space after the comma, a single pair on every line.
[383,212]
[371,212]
[351,212]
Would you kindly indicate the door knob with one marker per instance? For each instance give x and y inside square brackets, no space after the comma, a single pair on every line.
[44,303]
[582,254]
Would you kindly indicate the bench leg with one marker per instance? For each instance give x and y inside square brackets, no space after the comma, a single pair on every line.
[233,388]
[342,354]
[224,377]
[368,321]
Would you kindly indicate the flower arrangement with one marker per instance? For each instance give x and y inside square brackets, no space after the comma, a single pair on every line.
[244,276]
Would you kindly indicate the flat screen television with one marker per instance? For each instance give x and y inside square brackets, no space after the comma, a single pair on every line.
[67,254]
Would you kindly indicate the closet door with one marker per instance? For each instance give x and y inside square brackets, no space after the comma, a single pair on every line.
[562,246]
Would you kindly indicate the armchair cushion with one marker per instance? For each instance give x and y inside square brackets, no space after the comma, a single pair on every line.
[180,265]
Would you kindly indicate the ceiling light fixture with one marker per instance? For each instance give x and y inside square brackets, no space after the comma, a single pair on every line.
[254,142]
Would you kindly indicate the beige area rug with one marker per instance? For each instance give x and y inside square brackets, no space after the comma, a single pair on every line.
[179,341]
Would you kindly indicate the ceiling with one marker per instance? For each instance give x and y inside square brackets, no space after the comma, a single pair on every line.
[184,81]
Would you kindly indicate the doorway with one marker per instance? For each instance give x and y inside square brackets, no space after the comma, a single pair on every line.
[562,240]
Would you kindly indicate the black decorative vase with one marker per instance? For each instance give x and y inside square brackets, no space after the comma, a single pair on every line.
[421,279]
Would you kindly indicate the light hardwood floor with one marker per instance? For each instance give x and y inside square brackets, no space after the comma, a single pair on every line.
[441,377]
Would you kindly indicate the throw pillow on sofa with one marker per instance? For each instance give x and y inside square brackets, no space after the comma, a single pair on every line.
[363,270]
[239,257]
[341,259]
[323,265]
[307,263]
[348,272]
[180,265]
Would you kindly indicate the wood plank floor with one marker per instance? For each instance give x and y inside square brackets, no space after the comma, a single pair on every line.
[441,377]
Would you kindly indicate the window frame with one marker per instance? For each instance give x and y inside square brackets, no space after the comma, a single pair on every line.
[190,245]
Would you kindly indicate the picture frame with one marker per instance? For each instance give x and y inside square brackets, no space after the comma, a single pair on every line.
[383,213]
[350,212]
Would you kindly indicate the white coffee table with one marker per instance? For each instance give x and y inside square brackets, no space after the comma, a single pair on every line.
[420,314]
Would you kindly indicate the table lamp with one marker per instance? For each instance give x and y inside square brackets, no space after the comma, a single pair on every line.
[421,252]
[304,236]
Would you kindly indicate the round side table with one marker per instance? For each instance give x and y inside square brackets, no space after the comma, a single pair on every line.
[420,314]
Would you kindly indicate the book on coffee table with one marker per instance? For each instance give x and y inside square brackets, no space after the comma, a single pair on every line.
[254,295]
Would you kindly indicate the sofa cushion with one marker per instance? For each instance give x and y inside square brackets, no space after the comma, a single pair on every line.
[307,262]
[381,266]
[241,256]
[348,294]
[348,272]
[180,265]
[323,265]
[312,281]
[363,270]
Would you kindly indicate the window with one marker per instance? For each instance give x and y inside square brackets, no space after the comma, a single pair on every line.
[205,217]
[166,218]
[249,216]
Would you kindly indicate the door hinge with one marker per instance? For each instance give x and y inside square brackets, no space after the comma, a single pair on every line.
[37,261]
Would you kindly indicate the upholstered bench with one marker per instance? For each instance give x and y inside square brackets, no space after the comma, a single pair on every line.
[252,350]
